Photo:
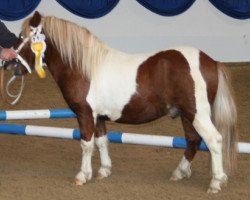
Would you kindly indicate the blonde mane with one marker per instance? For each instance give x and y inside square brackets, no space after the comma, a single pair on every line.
[76,45]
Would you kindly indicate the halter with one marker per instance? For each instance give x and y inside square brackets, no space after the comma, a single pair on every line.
[19,48]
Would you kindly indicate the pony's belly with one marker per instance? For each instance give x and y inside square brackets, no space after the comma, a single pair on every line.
[136,113]
[139,119]
[131,108]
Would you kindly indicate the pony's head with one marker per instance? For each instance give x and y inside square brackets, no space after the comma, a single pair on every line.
[30,48]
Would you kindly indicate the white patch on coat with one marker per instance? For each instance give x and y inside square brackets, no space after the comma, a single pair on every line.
[192,56]
[114,83]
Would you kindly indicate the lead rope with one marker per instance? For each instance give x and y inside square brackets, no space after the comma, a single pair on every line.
[12,79]
[6,90]
[19,94]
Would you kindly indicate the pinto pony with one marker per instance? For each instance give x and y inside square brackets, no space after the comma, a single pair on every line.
[100,83]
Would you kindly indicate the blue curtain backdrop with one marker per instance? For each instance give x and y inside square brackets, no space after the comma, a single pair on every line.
[89,8]
[167,7]
[239,9]
[11,10]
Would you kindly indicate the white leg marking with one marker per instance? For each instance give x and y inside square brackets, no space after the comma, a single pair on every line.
[183,170]
[213,140]
[85,173]
[105,169]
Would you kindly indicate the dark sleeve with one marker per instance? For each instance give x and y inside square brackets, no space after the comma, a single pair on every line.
[7,39]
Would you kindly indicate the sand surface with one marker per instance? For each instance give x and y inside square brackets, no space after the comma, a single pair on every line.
[44,168]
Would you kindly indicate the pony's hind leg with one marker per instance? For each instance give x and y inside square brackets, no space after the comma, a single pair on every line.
[101,142]
[183,170]
[213,139]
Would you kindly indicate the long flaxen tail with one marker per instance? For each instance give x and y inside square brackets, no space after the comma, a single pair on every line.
[225,118]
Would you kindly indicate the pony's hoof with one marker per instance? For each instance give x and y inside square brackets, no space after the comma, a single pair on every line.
[81,178]
[79,183]
[103,172]
[213,190]
[216,183]
[179,174]
[174,178]
[100,177]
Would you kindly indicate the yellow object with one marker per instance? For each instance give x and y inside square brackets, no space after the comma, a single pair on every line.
[38,48]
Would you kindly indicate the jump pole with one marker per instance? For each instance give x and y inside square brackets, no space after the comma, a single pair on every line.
[115,137]
[37,114]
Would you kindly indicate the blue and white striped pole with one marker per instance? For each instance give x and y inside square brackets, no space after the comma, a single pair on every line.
[37,114]
[115,137]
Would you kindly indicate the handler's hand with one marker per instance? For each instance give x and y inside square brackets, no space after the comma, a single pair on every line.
[7,54]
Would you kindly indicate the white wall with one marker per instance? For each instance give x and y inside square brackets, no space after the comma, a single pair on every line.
[132,28]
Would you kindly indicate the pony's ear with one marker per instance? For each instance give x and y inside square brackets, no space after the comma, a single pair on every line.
[35,19]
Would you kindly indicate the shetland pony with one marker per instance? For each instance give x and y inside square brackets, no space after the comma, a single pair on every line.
[100,83]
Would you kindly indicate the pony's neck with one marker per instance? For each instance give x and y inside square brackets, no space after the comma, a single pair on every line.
[76,45]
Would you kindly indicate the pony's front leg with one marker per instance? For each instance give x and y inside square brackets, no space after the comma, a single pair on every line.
[101,142]
[85,172]
[86,124]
